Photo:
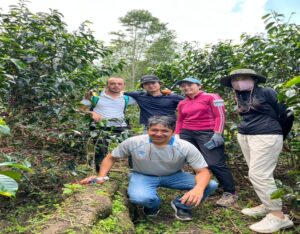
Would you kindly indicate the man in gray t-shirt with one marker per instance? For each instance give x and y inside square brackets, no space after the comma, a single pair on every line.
[158,159]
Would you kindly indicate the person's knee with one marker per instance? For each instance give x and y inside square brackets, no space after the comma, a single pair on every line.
[259,177]
[141,198]
[212,186]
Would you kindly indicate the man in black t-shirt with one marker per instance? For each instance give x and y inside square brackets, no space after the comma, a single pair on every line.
[152,101]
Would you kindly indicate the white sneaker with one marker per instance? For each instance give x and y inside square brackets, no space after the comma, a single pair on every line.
[271,223]
[260,210]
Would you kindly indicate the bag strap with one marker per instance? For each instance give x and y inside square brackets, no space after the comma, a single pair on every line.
[94,101]
[126,99]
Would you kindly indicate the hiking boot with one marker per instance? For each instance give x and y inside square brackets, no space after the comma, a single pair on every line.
[271,223]
[227,199]
[181,214]
[151,212]
[260,210]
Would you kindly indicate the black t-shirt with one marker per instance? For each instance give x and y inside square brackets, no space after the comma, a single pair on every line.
[155,105]
[263,118]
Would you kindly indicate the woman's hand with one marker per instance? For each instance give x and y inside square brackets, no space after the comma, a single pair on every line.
[218,139]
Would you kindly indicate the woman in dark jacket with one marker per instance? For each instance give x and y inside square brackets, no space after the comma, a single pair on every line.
[260,138]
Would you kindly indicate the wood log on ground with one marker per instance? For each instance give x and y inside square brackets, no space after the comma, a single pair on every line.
[119,221]
[79,212]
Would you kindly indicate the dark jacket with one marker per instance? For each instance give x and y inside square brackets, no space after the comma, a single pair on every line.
[262,118]
[155,105]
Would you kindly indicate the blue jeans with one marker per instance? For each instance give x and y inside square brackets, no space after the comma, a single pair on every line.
[142,189]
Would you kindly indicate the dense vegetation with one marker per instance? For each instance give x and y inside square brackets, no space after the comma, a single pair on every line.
[44,71]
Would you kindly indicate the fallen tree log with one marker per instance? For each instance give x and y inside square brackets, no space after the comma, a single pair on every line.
[80,211]
[119,221]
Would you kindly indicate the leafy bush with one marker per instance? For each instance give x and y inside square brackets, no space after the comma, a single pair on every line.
[9,178]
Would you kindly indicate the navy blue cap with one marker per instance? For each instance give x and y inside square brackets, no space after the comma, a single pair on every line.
[149,78]
[190,80]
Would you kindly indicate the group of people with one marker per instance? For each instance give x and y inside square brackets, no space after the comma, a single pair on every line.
[194,136]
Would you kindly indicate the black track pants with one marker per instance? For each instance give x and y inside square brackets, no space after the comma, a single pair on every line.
[215,158]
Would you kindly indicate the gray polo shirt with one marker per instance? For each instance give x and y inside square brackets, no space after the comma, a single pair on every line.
[111,109]
[159,161]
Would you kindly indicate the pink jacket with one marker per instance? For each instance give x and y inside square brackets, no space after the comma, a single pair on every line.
[205,111]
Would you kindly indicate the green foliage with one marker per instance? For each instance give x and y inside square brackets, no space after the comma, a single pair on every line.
[112,224]
[4,129]
[290,194]
[9,178]
[70,189]
[43,66]
[8,183]
[118,204]
[44,71]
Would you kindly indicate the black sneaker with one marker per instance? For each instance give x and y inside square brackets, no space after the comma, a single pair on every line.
[182,214]
[150,212]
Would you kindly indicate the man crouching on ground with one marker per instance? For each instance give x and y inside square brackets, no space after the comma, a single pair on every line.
[158,159]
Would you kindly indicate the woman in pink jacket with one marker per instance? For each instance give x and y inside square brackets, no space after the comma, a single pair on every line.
[201,119]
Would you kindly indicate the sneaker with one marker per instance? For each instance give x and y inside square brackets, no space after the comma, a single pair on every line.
[151,212]
[227,199]
[271,223]
[181,214]
[260,210]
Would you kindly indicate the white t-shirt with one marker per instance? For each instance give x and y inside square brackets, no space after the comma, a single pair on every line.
[111,109]
[150,159]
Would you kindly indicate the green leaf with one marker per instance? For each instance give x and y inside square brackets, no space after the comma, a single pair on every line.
[76,132]
[67,191]
[2,122]
[290,93]
[4,130]
[12,174]
[265,16]
[293,81]
[16,165]
[18,63]
[93,134]
[277,194]
[8,186]
[73,186]
[5,39]
[269,25]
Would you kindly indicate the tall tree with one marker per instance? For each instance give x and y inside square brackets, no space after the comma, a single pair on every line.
[141,31]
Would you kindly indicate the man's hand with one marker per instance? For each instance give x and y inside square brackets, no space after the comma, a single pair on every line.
[84,108]
[166,91]
[88,95]
[92,179]
[192,197]
[96,117]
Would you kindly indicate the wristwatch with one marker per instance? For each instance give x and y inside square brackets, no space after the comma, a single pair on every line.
[100,179]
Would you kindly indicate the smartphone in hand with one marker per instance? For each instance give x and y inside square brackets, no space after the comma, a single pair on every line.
[210,145]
